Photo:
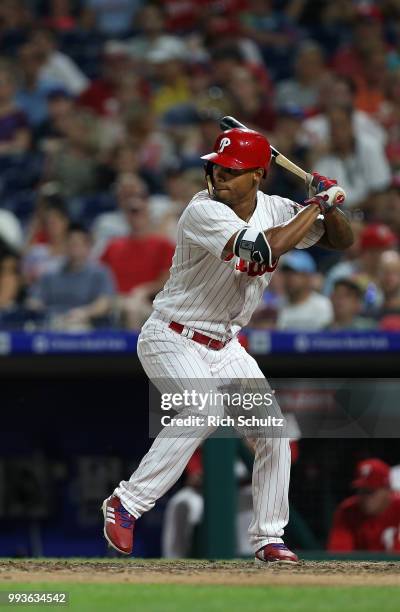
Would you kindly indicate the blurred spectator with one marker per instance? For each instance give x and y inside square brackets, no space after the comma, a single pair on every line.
[370,84]
[14,129]
[392,25]
[339,91]
[13,312]
[120,160]
[113,19]
[32,89]
[226,58]
[389,282]
[347,301]
[164,209]
[389,116]
[374,240]
[16,18]
[99,96]
[48,257]
[192,141]
[357,162]
[60,16]
[35,232]
[369,520]
[129,189]
[78,294]
[50,133]
[305,309]
[287,139]
[266,314]
[271,29]
[152,255]
[74,165]
[366,37]
[154,148]
[327,22]
[252,105]
[184,512]
[11,285]
[171,81]
[10,230]
[57,66]
[309,72]
[390,212]
[180,189]
[130,95]
[221,30]
[183,16]
[152,43]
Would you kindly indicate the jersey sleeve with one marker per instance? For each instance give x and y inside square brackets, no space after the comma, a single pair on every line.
[210,224]
[165,254]
[287,210]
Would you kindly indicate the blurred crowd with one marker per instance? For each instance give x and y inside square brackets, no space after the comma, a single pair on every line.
[106,107]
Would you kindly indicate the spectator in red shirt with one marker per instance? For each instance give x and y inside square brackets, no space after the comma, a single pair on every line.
[100,95]
[366,36]
[140,261]
[370,519]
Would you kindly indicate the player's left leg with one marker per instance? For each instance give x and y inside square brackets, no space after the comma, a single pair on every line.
[271,470]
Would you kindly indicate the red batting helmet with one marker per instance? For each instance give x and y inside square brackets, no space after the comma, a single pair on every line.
[241,150]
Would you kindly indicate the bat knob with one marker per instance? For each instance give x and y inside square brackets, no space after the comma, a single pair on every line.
[335,196]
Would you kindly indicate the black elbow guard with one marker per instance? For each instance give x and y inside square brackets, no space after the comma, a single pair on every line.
[252,245]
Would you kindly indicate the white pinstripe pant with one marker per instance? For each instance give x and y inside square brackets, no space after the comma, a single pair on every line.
[165,354]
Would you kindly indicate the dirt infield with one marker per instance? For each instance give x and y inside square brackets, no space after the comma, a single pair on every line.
[317,573]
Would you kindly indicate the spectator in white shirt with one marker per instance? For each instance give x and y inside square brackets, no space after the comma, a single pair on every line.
[57,66]
[339,91]
[128,189]
[309,72]
[305,309]
[357,161]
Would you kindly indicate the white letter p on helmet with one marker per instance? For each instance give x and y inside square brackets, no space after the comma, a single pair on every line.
[225,142]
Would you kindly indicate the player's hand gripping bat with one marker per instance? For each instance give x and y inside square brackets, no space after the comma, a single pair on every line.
[336,194]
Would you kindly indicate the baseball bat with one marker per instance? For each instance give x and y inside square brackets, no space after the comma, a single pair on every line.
[228,123]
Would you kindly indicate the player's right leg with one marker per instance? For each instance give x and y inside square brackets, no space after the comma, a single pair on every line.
[271,469]
[173,362]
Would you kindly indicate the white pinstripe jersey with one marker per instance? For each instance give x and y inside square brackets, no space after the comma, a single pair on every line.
[207,293]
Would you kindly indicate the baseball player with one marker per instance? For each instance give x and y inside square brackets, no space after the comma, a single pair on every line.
[369,519]
[230,238]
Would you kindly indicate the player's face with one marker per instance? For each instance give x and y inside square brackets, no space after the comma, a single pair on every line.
[373,501]
[234,186]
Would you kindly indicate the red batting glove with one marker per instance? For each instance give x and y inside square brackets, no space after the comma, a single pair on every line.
[317,183]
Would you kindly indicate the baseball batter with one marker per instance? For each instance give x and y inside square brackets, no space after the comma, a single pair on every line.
[230,238]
